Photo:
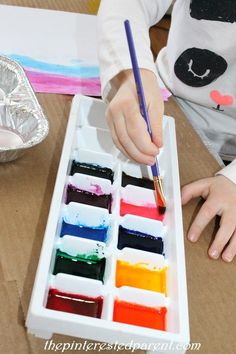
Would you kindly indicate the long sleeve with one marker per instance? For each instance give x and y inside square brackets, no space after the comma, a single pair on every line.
[229,171]
[112,44]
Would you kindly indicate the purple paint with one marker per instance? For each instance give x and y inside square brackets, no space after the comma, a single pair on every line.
[84,197]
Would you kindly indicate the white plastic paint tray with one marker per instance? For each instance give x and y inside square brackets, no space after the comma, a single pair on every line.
[88,140]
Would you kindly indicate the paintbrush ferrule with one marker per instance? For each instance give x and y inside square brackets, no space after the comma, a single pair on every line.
[159,190]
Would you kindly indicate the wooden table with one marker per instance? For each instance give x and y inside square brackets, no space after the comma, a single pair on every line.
[26,187]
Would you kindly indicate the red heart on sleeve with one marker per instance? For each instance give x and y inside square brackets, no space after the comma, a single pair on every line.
[222,100]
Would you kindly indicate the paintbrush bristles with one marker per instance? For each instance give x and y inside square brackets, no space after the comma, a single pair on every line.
[161,202]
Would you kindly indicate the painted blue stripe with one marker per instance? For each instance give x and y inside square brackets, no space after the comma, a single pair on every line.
[77,69]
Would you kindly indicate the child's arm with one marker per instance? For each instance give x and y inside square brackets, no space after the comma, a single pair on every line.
[127,125]
[220,195]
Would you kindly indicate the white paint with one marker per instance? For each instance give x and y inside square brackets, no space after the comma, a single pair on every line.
[9,139]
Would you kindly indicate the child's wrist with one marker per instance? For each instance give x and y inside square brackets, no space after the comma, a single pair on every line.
[121,77]
[127,76]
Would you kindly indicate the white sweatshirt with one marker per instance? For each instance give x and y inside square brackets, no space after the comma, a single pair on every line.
[198,64]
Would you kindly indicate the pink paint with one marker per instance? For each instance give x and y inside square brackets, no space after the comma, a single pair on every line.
[165,94]
[147,210]
[52,83]
[95,188]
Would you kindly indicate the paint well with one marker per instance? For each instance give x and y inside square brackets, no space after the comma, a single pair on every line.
[139,315]
[147,211]
[139,240]
[79,196]
[75,303]
[140,275]
[93,233]
[73,265]
[92,170]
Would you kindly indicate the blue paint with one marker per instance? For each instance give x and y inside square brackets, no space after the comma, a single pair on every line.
[77,69]
[93,233]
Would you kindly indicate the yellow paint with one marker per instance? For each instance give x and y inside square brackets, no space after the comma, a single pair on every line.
[93,6]
[141,275]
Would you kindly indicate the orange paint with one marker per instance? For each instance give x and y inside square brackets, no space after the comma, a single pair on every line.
[147,211]
[140,275]
[139,315]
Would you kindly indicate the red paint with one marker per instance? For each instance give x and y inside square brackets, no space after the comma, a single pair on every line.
[147,211]
[75,303]
[139,315]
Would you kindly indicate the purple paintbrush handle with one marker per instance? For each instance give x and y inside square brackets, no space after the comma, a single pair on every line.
[137,77]
[155,170]
[139,86]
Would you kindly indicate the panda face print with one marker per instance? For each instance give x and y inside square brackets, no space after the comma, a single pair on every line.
[199,67]
[214,10]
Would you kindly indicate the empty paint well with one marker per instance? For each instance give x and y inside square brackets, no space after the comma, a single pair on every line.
[141,269]
[82,221]
[92,170]
[65,263]
[75,303]
[139,201]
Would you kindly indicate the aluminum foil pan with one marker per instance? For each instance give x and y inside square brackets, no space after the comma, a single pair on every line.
[22,121]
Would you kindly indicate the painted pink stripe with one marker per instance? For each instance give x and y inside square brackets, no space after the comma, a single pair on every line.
[51,83]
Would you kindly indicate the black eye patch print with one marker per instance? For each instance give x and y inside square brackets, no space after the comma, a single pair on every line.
[199,67]
[214,10]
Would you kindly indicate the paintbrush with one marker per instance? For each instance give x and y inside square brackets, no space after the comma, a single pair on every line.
[161,203]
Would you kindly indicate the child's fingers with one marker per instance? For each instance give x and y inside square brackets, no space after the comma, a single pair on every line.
[115,138]
[230,250]
[129,146]
[204,216]
[227,227]
[138,133]
[130,127]
[156,111]
[195,189]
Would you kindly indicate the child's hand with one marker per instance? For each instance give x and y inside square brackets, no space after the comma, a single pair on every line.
[220,195]
[128,127]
